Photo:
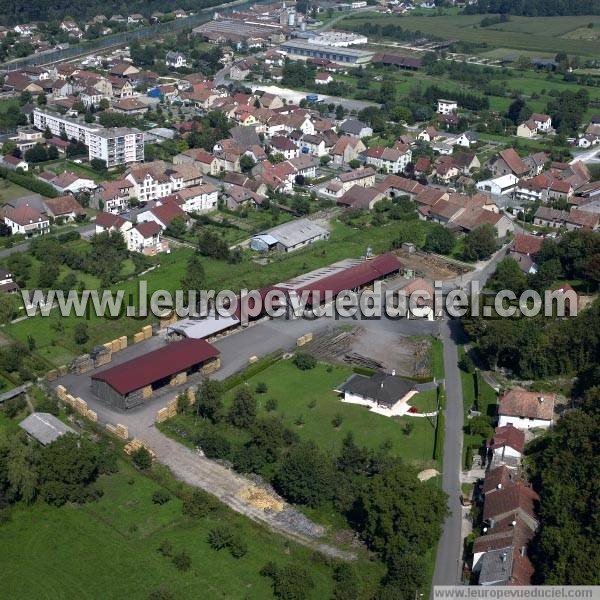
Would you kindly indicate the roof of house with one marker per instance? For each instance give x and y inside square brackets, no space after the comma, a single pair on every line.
[148,229]
[359,196]
[24,214]
[44,427]
[168,211]
[169,360]
[511,497]
[513,161]
[507,436]
[108,220]
[505,566]
[64,205]
[527,244]
[382,388]
[282,143]
[352,126]
[532,405]
[356,174]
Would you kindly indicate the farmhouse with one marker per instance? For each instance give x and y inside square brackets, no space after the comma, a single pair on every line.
[506,447]
[384,394]
[133,382]
[526,410]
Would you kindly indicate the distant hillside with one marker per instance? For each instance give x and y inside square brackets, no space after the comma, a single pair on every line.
[536,8]
[26,11]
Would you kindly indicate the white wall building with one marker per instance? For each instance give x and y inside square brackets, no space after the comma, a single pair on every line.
[446,107]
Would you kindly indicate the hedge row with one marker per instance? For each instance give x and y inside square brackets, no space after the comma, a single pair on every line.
[29,182]
[251,370]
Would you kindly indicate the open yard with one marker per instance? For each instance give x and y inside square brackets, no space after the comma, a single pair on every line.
[47,551]
[308,404]
[10,191]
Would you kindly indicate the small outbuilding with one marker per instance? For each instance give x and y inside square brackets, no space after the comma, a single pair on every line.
[44,427]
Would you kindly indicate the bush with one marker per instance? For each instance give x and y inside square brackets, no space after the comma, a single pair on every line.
[271,405]
[161,497]
[238,547]
[261,387]
[220,537]
[142,459]
[13,406]
[160,593]
[182,561]
[198,504]
[215,445]
[466,364]
[165,548]
[304,361]
[337,420]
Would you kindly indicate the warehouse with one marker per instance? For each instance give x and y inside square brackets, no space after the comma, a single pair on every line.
[134,382]
[345,56]
[202,328]
[345,275]
[289,236]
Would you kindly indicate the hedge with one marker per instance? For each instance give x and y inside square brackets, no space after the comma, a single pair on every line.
[438,443]
[29,182]
[251,370]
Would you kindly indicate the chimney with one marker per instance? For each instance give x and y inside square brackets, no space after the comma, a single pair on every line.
[485,530]
[541,398]
[504,556]
[513,523]
[499,486]
[393,372]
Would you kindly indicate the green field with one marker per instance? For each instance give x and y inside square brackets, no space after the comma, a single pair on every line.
[10,191]
[108,549]
[345,242]
[311,396]
[520,33]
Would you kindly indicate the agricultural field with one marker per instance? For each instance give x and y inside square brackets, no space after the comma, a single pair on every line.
[9,191]
[519,33]
[122,531]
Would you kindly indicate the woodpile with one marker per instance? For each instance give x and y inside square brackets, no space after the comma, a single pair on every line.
[304,339]
[261,499]
[138,337]
[178,379]
[92,415]
[118,430]
[101,355]
[52,375]
[61,392]
[77,404]
[62,370]
[147,392]
[82,364]
[211,366]
[147,331]
[123,342]
[135,445]
[166,321]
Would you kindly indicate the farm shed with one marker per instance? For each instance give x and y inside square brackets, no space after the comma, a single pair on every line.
[44,427]
[133,382]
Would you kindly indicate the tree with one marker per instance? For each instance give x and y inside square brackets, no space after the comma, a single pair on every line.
[80,333]
[98,165]
[304,361]
[518,111]
[508,276]
[305,476]
[439,240]
[396,514]
[243,408]
[290,582]
[194,277]
[36,154]
[198,504]
[176,227]
[480,243]
[220,537]
[246,163]
[209,404]
[142,459]
[52,152]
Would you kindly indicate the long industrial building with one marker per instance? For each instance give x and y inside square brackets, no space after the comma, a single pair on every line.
[345,56]
[134,382]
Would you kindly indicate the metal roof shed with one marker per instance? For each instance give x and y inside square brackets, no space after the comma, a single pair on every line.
[44,427]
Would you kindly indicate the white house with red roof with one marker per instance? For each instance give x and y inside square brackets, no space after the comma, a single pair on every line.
[506,446]
[26,220]
[526,410]
[163,214]
[146,238]
[12,162]
[108,222]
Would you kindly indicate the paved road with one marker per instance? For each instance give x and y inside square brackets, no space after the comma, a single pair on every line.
[448,563]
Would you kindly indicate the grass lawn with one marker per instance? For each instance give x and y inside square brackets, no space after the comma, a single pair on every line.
[310,395]
[345,242]
[10,191]
[437,358]
[108,549]
[519,33]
